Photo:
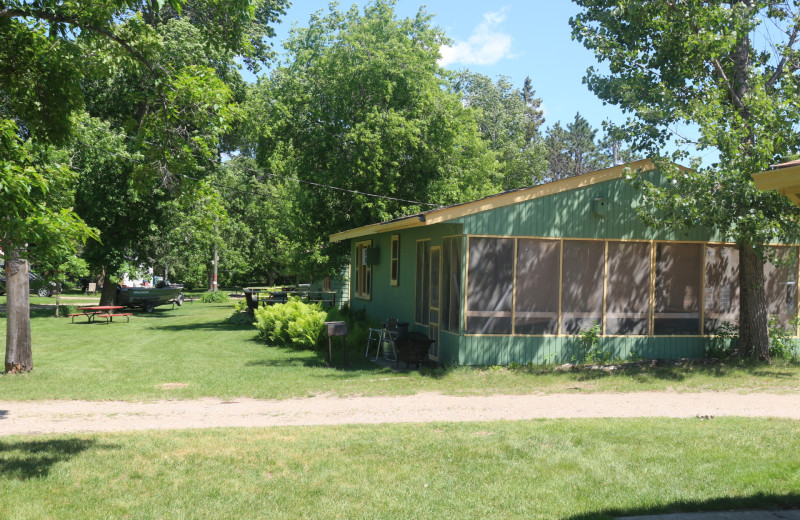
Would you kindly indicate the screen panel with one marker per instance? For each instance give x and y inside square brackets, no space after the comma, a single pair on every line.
[582,285]
[490,281]
[536,307]
[628,286]
[678,281]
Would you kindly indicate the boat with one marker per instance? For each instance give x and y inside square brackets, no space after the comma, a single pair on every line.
[148,298]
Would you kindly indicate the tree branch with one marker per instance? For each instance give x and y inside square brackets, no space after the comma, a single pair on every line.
[779,70]
[76,22]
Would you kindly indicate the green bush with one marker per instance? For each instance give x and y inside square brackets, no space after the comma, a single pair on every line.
[64,310]
[214,297]
[292,324]
[781,341]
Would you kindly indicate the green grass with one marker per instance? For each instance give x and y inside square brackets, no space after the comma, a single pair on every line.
[196,345]
[556,469]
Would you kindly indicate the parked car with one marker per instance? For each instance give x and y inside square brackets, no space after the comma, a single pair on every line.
[38,285]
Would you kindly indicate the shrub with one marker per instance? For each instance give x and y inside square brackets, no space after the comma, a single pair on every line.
[590,338]
[64,310]
[293,324]
[781,341]
[214,297]
[724,342]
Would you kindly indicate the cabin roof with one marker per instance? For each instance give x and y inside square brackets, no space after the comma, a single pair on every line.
[498,200]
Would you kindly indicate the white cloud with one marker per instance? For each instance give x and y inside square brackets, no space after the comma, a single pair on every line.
[486,46]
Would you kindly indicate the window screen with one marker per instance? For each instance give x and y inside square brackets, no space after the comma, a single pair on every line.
[490,285]
[721,292]
[451,283]
[581,285]
[628,298]
[678,281]
[394,274]
[423,282]
[536,308]
[780,278]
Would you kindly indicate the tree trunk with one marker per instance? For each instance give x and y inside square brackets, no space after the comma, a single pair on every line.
[109,290]
[19,356]
[753,331]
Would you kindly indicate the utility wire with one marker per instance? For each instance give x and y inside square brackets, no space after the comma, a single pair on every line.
[277,176]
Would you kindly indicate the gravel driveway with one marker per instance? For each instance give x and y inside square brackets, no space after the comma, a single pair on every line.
[37,417]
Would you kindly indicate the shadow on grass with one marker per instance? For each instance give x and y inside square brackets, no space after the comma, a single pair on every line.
[25,460]
[208,325]
[758,501]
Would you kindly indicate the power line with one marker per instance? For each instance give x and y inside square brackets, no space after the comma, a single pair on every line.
[282,177]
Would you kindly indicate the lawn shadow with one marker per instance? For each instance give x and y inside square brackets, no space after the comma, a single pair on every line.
[287,356]
[209,325]
[759,501]
[24,460]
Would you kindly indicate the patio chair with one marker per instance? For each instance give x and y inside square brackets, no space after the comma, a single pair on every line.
[375,335]
[389,336]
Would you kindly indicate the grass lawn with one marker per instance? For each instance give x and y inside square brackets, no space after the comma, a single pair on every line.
[558,469]
[195,345]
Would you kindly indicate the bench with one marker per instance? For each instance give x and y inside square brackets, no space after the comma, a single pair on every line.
[89,314]
[110,317]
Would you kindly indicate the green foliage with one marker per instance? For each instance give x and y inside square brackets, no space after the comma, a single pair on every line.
[590,339]
[508,121]
[292,324]
[706,64]
[357,325]
[574,150]
[724,342]
[214,297]
[783,341]
[64,310]
[361,104]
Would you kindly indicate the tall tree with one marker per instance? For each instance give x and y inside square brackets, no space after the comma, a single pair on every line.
[573,150]
[360,105]
[53,50]
[30,221]
[730,69]
[533,109]
[508,121]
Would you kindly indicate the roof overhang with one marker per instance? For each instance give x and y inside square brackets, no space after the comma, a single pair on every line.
[784,178]
[440,215]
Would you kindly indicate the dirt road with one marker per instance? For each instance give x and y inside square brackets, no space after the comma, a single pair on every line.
[36,417]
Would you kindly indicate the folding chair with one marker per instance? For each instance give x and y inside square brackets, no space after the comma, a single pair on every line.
[389,336]
[374,335]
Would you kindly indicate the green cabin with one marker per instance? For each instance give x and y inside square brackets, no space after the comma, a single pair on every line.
[516,277]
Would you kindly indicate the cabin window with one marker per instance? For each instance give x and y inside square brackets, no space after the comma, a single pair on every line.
[628,289]
[677,290]
[422,307]
[451,283]
[491,285]
[394,276]
[582,285]
[721,291]
[536,307]
[363,281]
[780,278]
[326,284]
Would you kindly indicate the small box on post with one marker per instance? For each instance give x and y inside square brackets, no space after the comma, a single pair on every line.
[337,328]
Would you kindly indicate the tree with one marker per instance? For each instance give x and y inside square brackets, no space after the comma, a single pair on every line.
[51,53]
[508,121]
[360,106]
[730,69]
[573,150]
[29,222]
[533,110]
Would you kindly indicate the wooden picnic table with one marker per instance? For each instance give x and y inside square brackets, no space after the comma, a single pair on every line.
[100,311]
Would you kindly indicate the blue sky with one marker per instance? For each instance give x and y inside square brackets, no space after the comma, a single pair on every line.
[517,39]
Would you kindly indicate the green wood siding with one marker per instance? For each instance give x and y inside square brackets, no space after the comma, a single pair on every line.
[397,301]
[570,215]
[564,215]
